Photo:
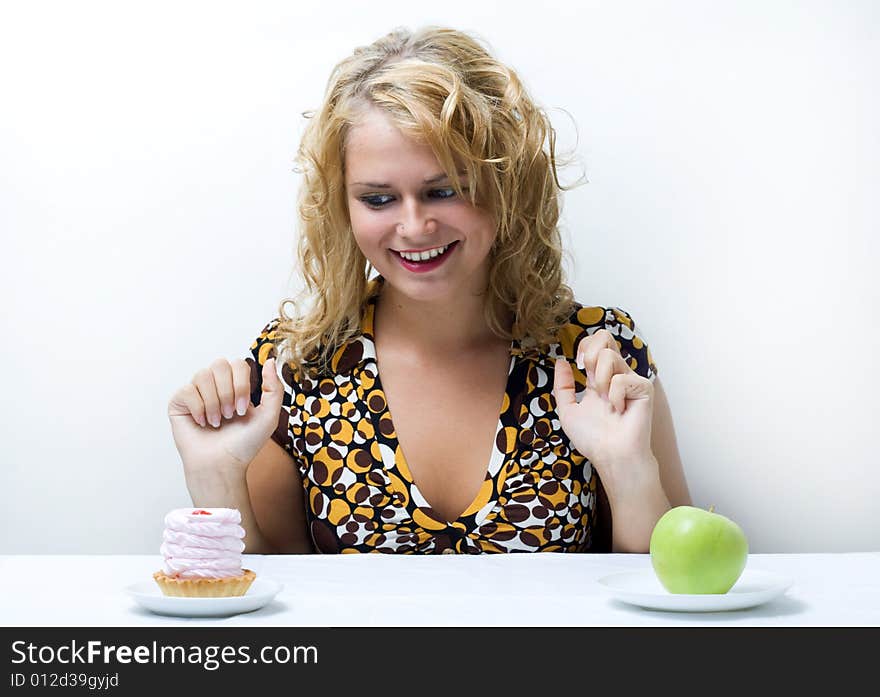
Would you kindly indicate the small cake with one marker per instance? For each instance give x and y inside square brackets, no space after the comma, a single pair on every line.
[202,551]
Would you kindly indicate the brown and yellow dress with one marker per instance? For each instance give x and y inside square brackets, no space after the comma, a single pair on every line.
[539,493]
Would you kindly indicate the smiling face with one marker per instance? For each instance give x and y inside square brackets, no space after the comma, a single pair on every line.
[401,204]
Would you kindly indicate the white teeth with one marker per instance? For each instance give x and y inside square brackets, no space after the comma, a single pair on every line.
[422,256]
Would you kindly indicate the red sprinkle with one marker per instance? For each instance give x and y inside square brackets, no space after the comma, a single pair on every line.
[201,512]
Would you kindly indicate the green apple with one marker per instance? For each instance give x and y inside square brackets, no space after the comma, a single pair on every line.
[697,551]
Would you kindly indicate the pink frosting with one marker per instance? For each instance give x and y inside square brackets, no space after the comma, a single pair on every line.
[202,543]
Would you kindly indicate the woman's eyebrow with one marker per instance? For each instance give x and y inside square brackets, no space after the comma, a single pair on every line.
[432,180]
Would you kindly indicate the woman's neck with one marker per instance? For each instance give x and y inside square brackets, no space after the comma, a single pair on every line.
[448,327]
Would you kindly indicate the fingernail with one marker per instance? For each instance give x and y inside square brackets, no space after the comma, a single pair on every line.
[241,406]
[215,421]
[590,378]
[580,362]
[200,420]
[227,412]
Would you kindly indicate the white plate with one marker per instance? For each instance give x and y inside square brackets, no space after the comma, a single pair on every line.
[148,595]
[642,588]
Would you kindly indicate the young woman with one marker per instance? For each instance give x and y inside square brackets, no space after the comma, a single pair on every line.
[439,389]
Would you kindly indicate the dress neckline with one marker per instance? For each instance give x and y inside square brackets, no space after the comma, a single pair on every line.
[421,509]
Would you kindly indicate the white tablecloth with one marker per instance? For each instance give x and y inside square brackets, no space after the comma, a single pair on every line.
[444,590]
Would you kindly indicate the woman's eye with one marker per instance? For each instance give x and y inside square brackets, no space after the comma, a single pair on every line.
[443,193]
[381,200]
[376,201]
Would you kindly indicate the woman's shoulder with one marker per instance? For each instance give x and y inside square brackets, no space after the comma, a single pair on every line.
[585,320]
[269,343]
[272,342]
[264,346]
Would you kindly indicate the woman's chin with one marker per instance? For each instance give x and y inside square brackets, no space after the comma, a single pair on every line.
[422,290]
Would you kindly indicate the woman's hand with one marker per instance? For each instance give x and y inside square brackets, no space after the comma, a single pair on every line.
[611,426]
[205,441]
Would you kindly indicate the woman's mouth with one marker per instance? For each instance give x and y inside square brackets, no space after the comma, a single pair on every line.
[421,262]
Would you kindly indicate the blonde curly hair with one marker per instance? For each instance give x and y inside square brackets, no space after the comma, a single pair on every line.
[442,87]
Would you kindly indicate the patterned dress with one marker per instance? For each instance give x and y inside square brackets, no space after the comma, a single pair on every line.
[539,494]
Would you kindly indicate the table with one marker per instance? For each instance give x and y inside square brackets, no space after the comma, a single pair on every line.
[550,589]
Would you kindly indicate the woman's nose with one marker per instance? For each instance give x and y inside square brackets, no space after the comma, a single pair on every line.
[416,220]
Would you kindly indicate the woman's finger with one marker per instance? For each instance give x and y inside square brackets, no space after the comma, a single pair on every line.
[629,386]
[589,348]
[563,387]
[204,383]
[241,385]
[608,364]
[188,401]
[225,390]
[272,396]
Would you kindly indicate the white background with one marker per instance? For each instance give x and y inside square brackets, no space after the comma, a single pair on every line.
[147,210]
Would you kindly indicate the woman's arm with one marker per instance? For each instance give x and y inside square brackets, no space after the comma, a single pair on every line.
[228,489]
[276,494]
[665,449]
[637,505]
[219,435]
